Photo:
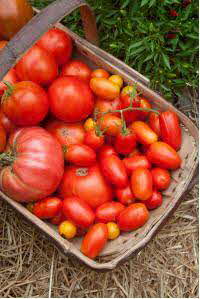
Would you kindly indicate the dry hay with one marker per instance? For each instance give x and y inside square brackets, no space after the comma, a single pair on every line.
[30,266]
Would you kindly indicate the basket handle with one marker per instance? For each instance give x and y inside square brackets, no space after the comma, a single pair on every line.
[41,23]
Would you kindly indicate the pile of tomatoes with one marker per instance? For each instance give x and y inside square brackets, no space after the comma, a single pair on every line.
[79,149]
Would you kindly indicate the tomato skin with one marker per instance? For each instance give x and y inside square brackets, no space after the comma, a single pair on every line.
[144,103]
[109,211]
[95,240]
[125,195]
[102,106]
[75,94]
[105,151]
[135,152]
[38,66]
[56,220]
[114,171]
[135,162]
[142,183]
[161,178]
[47,208]
[110,124]
[80,155]
[163,155]
[66,134]
[170,129]
[133,217]
[144,133]
[6,122]
[67,229]
[125,143]
[78,211]
[154,201]
[3,43]
[116,79]
[113,230]
[154,122]
[10,77]
[86,183]
[78,69]
[104,88]
[58,43]
[130,116]
[2,139]
[93,140]
[89,124]
[100,73]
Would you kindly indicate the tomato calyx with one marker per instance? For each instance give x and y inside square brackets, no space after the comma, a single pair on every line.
[6,159]
[65,149]
[82,171]
[8,92]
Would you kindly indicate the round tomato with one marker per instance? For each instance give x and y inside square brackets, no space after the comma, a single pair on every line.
[109,211]
[78,69]
[116,79]
[135,162]
[67,229]
[80,155]
[161,178]
[106,150]
[144,103]
[142,183]
[154,201]
[100,73]
[48,207]
[102,106]
[133,115]
[104,88]
[154,122]
[73,93]
[144,133]
[11,78]
[113,230]
[89,124]
[2,139]
[110,124]
[125,142]
[93,139]
[125,195]
[6,122]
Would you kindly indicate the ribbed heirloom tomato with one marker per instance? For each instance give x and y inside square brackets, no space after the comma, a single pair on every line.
[80,155]
[78,69]
[109,211]
[48,207]
[141,183]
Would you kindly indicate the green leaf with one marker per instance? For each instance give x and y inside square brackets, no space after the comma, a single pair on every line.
[144,2]
[151,3]
[125,4]
[166,60]
[135,45]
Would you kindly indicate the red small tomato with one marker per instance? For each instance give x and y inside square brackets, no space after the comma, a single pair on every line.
[133,217]
[130,116]
[161,178]
[125,142]
[6,122]
[144,103]
[154,122]
[100,73]
[58,218]
[135,162]
[154,201]
[11,77]
[48,207]
[125,195]
[95,240]
[93,139]
[144,133]
[109,211]
[135,152]
[105,151]
[80,155]
[142,183]
[2,139]
[78,69]
[110,124]
[102,106]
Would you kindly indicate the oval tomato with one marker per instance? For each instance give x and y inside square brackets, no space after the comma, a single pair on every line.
[125,195]
[11,78]
[163,155]
[110,124]
[109,211]
[73,93]
[100,73]
[6,122]
[154,122]
[133,115]
[93,139]
[154,201]
[102,106]
[95,240]
[144,133]
[105,151]
[161,178]
[78,69]
[86,183]
[2,139]
[48,207]
[133,217]
[104,88]
[142,183]
[80,155]
[125,142]
[135,162]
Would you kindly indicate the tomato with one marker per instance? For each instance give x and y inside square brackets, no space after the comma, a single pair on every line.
[11,77]
[163,155]
[77,68]
[102,106]
[125,142]
[109,211]
[116,79]
[154,122]
[135,152]
[89,124]
[170,129]
[133,115]
[66,134]
[127,90]
[3,43]
[113,230]
[161,178]
[67,229]
[105,151]
[135,162]
[144,133]
[48,207]
[2,139]
[144,103]
[56,220]
[100,73]
[86,183]
[144,148]
[114,171]
[80,155]
[125,195]
[110,140]
[26,105]
[73,93]
[58,43]
[154,201]
[78,211]
[110,124]
[142,183]
[93,139]
[95,240]
[104,88]
[33,165]
[133,217]
[38,66]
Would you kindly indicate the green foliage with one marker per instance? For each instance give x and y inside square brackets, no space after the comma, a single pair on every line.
[137,31]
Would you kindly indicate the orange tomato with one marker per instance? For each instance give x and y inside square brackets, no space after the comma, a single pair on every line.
[144,133]
[67,229]
[100,73]
[144,103]
[104,88]
[116,79]
[102,106]
[142,183]
[2,139]
[110,124]
[89,124]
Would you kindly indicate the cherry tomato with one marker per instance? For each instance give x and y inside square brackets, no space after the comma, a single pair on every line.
[125,142]
[104,88]
[154,201]
[6,122]
[78,211]
[89,124]
[93,139]
[133,115]
[100,73]
[109,211]
[116,79]
[58,218]
[58,43]
[48,207]
[105,151]
[125,195]
[110,124]
[2,139]
[161,178]
[80,155]
[170,129]
[135,152]
[102,106]
[127,90]
[144,103]
[95,240]
[78,69]
[67,229]
[113,230]
[135,162]
[163,155]
[154,122]
[11,77]
[38,66]
[144,133]
[133,217]
[142,183]
[114,171]
[73,93]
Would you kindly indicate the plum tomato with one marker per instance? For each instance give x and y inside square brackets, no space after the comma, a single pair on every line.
[135,162]
[154,201]
[80,155]
[125,195]
[154,122]
[144,133]
[161,178]
[48,207]
[142,183]
[104,88]
[109,211]
[100,73]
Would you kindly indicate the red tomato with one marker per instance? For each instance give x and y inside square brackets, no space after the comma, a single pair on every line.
[135,152]
[114,171]
[102,106]
[125,142]
[26,105]
[110,124]
[105,151]
[109,211]
[2,139]
[58,43]
[66,134]
[161,178]
[154,122]
[130,116]
[170,129]
[6,122]
[78,69]
[144,133]
[48,207]
[80,155]
[133,217]
[144,103]
[95,240]
[141,183]
[154,201]
[163,155]
[93,140]
[100,73]
[38,66]
[144,148]
[125,195]
[78,211]
[73,93]
[104,88]
[86,183]
[135,162]
[59,218]
[11,77]
[110,140]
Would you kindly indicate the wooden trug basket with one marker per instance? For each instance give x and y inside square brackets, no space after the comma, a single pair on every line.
[182,180]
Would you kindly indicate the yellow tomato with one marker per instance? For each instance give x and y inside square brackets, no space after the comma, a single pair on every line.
[89,124]
[104,88]
[113,230]
[127,90]
[117,80]
[67,229]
